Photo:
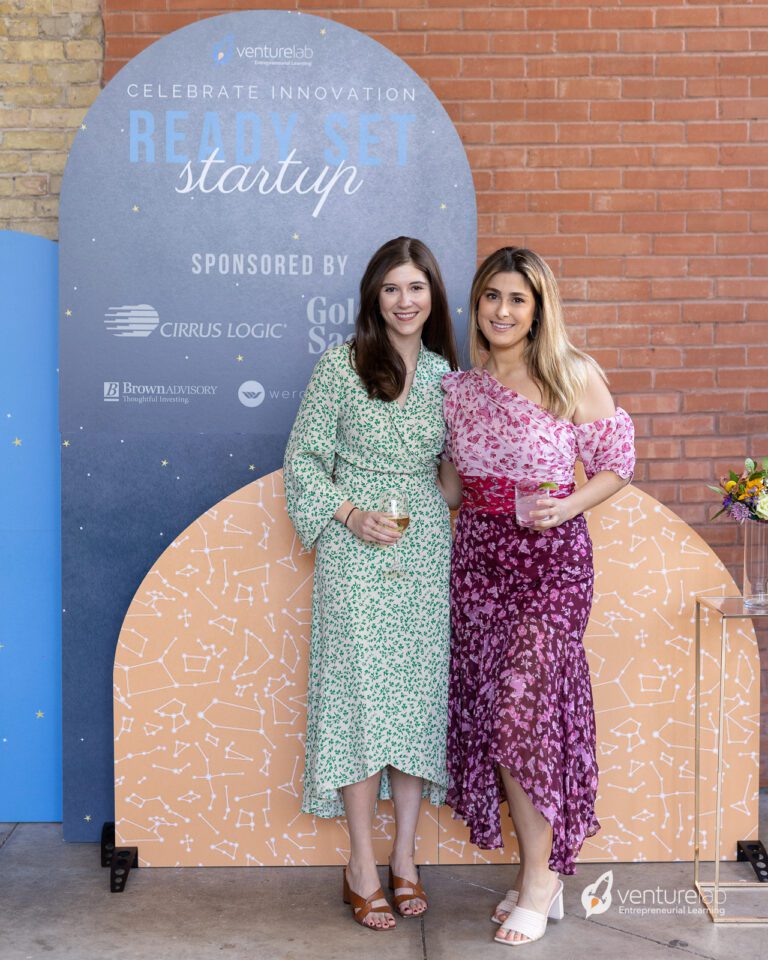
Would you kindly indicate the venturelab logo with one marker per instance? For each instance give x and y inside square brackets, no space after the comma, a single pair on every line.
[262,53]
[596,897]
[223,51]
[289,55]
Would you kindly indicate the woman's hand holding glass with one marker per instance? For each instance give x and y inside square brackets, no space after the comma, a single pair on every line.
[551,512]
[395,508]
[374,526]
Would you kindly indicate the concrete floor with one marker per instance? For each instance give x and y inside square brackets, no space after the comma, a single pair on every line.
[55,903]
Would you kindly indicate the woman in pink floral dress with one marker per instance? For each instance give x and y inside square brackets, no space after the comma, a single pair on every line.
[521,718]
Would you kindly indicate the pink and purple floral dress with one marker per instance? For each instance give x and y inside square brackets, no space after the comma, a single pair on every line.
[520,694]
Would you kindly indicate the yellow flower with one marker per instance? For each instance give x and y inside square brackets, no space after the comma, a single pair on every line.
[761,507]
[730,485]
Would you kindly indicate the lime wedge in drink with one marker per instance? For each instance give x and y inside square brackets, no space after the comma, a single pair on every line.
[548,486]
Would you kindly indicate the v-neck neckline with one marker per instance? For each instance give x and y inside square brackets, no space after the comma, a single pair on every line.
[402,407]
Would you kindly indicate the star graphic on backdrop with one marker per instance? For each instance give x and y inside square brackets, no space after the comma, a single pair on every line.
[460,310]
[87,818]
[163,463]
[17,442]
[295,236]
[239,358]
[39,714]
[83,126]
[251,466]
[66,443]
[67,313]
[443,206]
[135,208]
[323,32]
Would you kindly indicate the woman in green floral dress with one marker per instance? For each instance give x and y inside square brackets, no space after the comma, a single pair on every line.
[371,421]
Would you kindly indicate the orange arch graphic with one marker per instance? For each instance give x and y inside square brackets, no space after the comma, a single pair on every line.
[210,697]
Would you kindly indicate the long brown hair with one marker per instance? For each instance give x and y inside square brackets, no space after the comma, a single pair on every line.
[375,359]
[555,365]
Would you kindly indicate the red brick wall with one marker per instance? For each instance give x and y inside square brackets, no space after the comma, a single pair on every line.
[627,142]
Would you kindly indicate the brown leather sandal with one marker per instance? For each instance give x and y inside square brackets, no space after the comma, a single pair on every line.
[417,893]
[362,907]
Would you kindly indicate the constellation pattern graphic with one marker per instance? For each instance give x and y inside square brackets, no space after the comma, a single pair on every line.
[210,697]
[640,646]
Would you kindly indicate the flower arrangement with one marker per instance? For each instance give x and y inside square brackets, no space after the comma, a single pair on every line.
[745,495]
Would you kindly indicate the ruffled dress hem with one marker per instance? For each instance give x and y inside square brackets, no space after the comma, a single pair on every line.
[488,837]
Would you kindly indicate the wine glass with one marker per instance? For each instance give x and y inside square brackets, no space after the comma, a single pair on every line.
[394,504]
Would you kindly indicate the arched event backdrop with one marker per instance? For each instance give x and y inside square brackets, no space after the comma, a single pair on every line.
[210,697]
[220,202]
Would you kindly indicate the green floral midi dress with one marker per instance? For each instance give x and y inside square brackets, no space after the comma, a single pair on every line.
[378,671]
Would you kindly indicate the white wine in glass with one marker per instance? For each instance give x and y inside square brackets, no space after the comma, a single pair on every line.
[394,503]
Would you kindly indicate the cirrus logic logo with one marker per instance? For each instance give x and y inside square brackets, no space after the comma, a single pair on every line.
[131,320]
[251,393]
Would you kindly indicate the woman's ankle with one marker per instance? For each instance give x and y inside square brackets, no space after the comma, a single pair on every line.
[402,856]
[361,865]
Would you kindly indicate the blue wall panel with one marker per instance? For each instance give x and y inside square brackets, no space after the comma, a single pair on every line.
[30,551]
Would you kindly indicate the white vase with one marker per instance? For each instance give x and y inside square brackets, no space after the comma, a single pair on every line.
[756,564]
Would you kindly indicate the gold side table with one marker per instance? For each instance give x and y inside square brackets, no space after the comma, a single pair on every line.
[726,608]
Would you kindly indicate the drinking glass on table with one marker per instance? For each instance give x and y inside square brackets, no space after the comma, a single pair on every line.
[527,495]
[394,504]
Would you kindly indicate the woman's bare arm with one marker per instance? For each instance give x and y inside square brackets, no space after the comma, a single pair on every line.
[449,482]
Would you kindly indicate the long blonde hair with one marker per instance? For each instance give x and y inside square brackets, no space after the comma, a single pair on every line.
[556,366]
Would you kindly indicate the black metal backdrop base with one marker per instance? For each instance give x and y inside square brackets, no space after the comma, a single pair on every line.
[754,852]
[120,860]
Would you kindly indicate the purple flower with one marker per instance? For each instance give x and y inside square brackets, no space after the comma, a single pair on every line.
[739,511]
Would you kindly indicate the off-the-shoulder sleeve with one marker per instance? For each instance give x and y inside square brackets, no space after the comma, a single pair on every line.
[607,444]
[449,383]
[311,496]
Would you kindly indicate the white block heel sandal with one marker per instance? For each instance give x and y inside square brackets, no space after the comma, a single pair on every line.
[507,904]
[530,923]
